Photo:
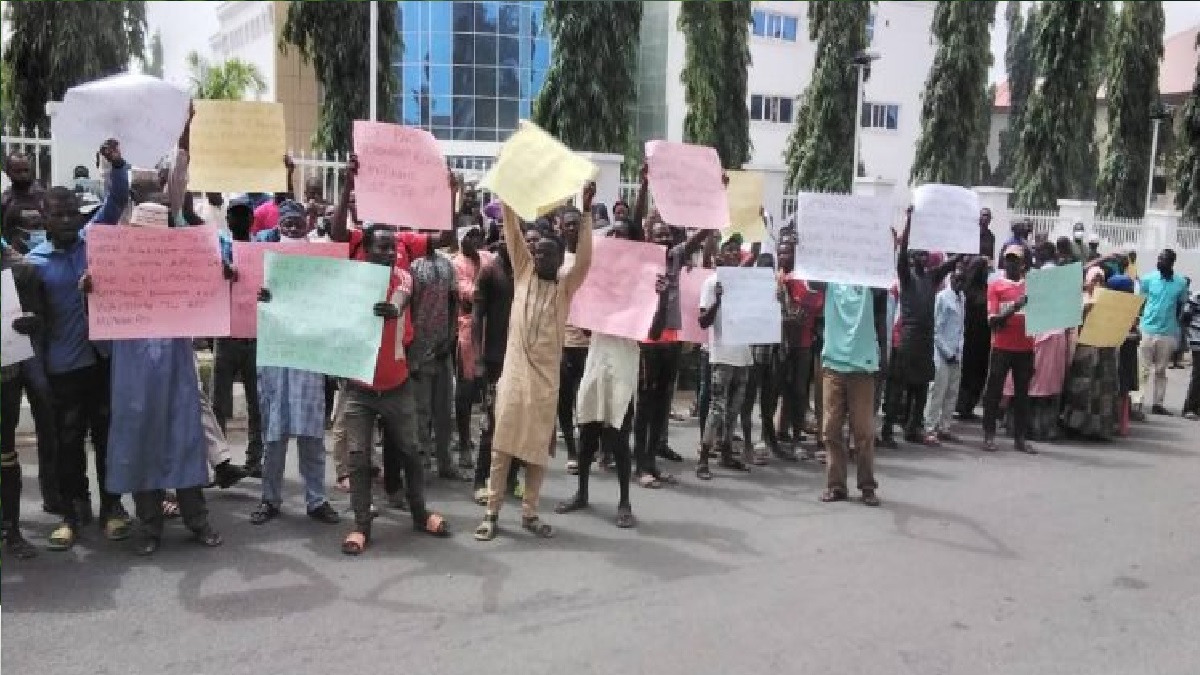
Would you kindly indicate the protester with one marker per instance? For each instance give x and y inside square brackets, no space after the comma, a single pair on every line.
[1012,350]
[912,363]
[1051,354]
[855,317]
[729,366]
[293,401]
[575,349]
[987,240]
[1094,390]
[468,262]
[794,353]
[1165,293]
[948,324]
[30,323]
[762,386]
[1191,323]
[78,369]
[527,393]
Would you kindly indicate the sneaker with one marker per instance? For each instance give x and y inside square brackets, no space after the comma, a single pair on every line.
[63,537]
[324,513]
[265,513]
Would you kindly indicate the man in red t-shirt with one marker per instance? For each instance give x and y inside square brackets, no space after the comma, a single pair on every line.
[801,310]
[1012,350]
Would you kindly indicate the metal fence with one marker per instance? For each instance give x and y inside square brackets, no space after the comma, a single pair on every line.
[1187,236]
[1044,222]
[31,142]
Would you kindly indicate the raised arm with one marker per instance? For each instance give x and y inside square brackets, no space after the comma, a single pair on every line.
[583,249]
[514,239]
[337,229]
[638,227]
[116,197]
[695,242]
[177,178]
[942,271]
[903,271]
[447,238]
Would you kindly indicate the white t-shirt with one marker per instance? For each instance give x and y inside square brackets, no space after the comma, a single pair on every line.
[730,355]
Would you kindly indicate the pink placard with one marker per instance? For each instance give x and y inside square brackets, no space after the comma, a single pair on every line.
[690,282]
[686,182]
[156,283]
[248,259]
[618,296]
[402,177]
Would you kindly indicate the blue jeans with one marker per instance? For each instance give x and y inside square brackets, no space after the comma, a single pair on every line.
[312,470]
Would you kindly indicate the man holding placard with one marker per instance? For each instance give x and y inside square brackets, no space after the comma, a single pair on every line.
[1012,350]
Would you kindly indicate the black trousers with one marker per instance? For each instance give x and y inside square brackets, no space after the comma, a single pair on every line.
[483,459]
[1020,364]
[762,386]
[977,348]
[236,359]
[795,374]
[34,384]
[656,387]
[570,373]
[10,465]
[82,397]
[615,443]
[1192,403]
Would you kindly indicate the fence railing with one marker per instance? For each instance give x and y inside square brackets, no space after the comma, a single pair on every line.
[1187,236]
[1044,222]
[31,142]
[1120,233]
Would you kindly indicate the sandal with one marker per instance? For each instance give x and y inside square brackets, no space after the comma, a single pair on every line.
[207,536]
[576,503]
[540,528]
[62,538]
[481,496]
[625,517]
[170,506]
[434,525]
[834,495]
[356,542]
[649,481]
[117,527]
[487,529]
[703,472]
[572,467]
[343,483]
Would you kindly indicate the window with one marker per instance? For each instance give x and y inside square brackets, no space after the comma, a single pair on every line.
[775,25]
[880,116]
[871,28]
[771,108]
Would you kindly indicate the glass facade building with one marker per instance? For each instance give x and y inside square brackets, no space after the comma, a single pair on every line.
[469,71]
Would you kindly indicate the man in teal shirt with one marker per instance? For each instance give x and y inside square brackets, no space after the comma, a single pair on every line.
[854,323]
[1165,293]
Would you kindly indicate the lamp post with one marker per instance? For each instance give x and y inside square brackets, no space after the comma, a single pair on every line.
[373,97]
[1161,112]
[862,64]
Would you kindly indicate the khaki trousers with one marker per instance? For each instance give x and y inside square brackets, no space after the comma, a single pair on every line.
[849,395]
[498,481]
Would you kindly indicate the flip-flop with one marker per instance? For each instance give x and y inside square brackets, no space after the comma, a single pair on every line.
[433,525]
[487,529]
[355,543]
[539,528]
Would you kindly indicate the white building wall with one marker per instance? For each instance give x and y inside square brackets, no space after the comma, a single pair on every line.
[247,32]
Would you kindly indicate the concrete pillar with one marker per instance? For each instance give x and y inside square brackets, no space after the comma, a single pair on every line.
[774,187]
[1071,211]
[874,187]
[1159,231]
[996,199]
[608,178]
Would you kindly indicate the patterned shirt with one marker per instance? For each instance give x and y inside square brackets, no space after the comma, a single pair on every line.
[292,403]
[434,285]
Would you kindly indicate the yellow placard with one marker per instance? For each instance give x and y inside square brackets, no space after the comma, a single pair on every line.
[238,146]
[1111,317]
[745,195]
[535,173]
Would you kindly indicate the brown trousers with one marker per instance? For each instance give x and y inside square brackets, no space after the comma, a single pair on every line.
[498,481]
[849,395]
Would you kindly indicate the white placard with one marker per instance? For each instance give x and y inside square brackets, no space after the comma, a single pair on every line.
[144,113]
[750,312]
[15,347]
[945,218]
[845,239]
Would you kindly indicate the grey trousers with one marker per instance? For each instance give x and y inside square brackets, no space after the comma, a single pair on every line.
[433,388]
[397,409]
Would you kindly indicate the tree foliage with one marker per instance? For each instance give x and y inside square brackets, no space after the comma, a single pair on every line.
[717,59]
[1021,70]
[57,45]
[335,38]
[1057,151]
[1131,93]
[952,117]
[228,81]
[1187,171]
[818,149]
[588,96]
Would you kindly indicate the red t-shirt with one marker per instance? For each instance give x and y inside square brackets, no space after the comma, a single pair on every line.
[1010,337]
[811,302]
[390,373]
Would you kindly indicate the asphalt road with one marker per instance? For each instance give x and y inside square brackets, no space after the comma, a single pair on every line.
[1083,560]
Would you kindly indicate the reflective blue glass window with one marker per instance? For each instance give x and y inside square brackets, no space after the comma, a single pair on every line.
[509,53]
[485,113]
[507,114]
[439,17]
[487,17]
[485,50]
[510,18]
[485,81]
[464,16]
[760,22]
[464,80]
[789,28]
[464,112]
[464,49]
[509,83]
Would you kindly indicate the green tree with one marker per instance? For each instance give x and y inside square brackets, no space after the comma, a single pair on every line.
[587,98]
[1187,171]
[1019,64]
[335,38]
[57,45]
[717,57]
[824,131]
[955,95]
[1131,93]
[154,62]
[1057,150]
[228,81]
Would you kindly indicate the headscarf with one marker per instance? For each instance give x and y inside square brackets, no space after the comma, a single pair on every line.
[290,208]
